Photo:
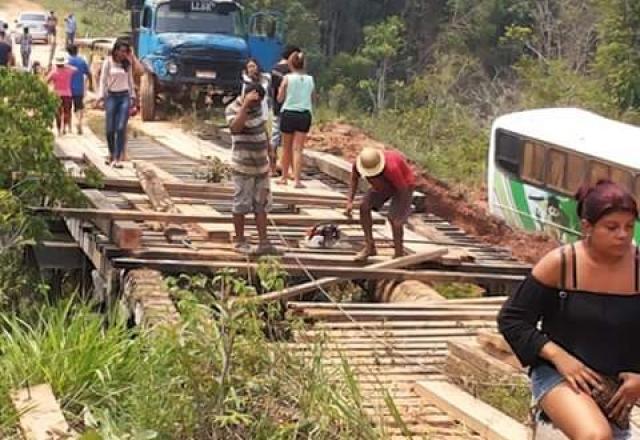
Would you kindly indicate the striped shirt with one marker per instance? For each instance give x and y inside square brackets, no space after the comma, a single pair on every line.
[250,150]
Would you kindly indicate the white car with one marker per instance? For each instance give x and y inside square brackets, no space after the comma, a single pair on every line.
[37,24]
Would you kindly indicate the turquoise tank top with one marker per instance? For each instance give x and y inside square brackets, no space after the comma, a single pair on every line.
[299,91]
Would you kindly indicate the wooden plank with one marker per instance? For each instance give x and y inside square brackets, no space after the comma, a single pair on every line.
[441,305]
[126,234]
[471,352]
[317,270]
[41,417]
[122,214]
[401,314]
[315,284]
[490,423]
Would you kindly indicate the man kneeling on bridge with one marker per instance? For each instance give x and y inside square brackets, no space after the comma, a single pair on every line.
[250,167]
[390,177]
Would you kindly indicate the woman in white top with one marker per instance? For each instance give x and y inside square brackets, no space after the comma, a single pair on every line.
[117,93]
[296,92]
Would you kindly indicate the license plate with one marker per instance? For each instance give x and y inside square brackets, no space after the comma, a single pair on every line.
[208,74]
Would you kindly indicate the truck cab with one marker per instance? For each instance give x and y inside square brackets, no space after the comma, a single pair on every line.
[189,46]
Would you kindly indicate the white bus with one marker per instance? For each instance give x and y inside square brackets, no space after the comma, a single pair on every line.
[539,158]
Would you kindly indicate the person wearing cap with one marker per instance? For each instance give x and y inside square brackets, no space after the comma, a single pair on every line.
[60,77]
[391,178]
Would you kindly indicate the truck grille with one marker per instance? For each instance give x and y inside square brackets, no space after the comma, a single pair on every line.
[226,70]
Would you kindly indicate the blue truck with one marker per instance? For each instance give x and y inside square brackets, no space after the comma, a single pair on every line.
[191,47]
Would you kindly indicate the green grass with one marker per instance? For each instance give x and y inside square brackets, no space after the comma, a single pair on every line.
[459,290]
[173,383]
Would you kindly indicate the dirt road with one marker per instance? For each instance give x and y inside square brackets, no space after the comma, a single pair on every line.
[40,52]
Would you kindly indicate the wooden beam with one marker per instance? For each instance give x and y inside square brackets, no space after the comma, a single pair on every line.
[126,234]
[292,292]
[217,190]
[487,421]
[364,273]
[40,414]
[124,214]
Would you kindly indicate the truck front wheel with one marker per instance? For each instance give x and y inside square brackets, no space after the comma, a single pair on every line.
[148,97]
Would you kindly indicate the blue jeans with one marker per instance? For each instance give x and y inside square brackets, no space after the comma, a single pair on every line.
[543,379]
[117,116]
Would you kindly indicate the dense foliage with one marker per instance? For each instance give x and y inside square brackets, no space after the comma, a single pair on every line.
[223,372]
[30,175]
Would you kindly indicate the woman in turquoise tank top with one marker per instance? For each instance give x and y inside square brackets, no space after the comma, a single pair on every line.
[296,93]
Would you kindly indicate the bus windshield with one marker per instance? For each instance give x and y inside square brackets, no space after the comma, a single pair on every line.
[197,22]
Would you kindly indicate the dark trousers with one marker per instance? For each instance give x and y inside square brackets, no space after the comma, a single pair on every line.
[70,38]
[25,59]
[117,116]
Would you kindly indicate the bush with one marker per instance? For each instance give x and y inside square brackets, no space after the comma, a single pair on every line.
[219,374]
[30,175]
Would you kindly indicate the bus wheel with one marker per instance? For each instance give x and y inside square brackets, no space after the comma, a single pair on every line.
[148,97]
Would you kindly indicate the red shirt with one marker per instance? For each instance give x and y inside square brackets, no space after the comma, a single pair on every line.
[61,79]
[397,173]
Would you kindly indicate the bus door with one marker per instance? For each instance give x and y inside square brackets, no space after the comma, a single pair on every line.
[266,38]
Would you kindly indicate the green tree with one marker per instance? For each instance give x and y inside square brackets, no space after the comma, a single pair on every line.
[618,52]
[30,175]
[382,43]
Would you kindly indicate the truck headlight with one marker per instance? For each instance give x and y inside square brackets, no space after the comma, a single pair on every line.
[172,68]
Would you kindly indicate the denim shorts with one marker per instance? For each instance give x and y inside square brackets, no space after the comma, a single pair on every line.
[543,379]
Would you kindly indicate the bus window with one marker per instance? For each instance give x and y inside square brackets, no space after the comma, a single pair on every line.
[508,151]
[556,172]
[598,172]
[622,178]
[576,171]
[533,164]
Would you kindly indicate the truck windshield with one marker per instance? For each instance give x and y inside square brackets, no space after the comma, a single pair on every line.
[168,20]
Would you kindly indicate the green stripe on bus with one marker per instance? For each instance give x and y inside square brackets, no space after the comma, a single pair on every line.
[522,205]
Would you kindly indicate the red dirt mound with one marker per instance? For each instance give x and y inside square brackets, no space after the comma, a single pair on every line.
[466,210]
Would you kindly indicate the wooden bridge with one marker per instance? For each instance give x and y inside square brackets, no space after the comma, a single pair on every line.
[157,215]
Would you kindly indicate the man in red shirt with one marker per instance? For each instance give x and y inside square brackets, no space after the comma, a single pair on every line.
[390,177]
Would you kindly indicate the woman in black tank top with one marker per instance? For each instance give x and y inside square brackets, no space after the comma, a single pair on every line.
[575,321]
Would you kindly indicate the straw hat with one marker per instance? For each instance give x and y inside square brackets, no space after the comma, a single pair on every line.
[370,162]
[60,59]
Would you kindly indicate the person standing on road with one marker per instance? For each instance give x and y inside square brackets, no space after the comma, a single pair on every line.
[296,94]
[70,28]
[278,73]
[574,322]
[250,167]
[390,177]
[25,48]
[78,83]
[6,54]
[60,77]
[118,94]
[52,27]
[52,31]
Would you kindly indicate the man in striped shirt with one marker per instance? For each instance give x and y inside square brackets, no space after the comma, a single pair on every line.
[250,156]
